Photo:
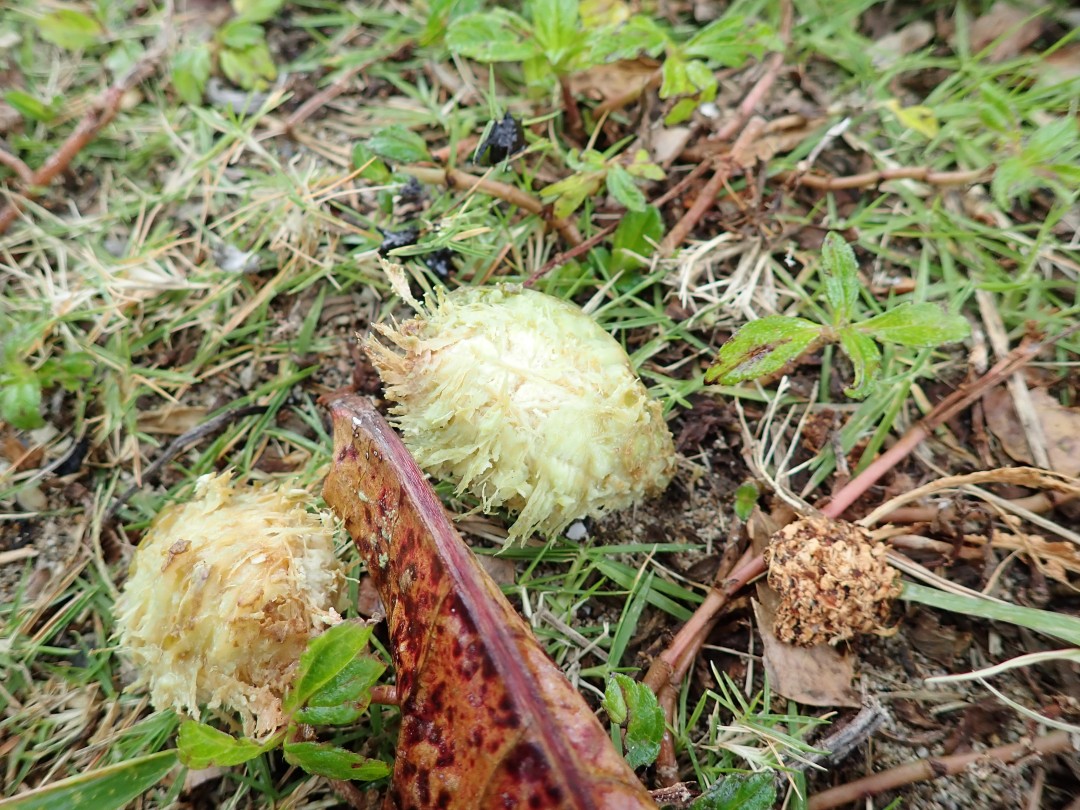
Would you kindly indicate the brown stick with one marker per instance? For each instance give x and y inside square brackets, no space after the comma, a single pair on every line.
[575,127]
[21,170]
[957,401]
[724,169]
[87,129]
[934,768]
[923,174]
[705,200]
[455,178]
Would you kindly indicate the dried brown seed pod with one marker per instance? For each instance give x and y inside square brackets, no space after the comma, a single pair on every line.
[833,579]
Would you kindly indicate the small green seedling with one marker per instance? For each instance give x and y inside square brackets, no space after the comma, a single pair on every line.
[332,688]
[593,170]
[22,382]
[240,48]
[766,346]
[632,704]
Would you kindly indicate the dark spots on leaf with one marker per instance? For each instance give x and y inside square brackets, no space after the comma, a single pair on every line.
[526,762]
[476,737]
[443,800]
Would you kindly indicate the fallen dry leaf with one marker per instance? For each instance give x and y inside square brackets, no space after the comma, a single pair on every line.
[1013,27]
[487,719]
[817,676]
[1060,426]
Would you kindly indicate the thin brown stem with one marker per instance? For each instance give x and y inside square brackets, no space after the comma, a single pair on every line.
[705,200]
[953,404]
[575,127]
[85,131]
[384,695]
[455,178]
[935,767]
[923,174]
[16,164]
[567,255]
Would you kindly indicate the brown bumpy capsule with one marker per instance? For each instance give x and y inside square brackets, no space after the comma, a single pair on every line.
[834,582]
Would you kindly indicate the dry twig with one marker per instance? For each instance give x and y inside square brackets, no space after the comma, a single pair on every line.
[87,129]
[933,768]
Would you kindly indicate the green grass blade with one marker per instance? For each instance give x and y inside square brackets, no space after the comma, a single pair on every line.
[1058,625]
[108,788]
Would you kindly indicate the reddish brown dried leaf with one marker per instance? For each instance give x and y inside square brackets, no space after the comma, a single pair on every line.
[487,720]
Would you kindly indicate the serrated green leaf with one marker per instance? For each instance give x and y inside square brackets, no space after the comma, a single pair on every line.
[865,358]
[703,79]
[555,26]
[251,68]
[108,788]
[622,188]
[681,111]
[257,11]
[69,29]
[644,718]
[570,192]
[638,35]
[762,347]
[31,107]
[190,72]
[643,167]
[345,697]
[20,397]
[674,80]
[201,746]
[739,791]
[332,762]
[238,34]
[398,144]
[918,325]
[497,35]
[746,498]
[840,272]
[324,659]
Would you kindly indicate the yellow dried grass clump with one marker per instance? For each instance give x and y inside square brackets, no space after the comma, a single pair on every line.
[222,596]
[526,403]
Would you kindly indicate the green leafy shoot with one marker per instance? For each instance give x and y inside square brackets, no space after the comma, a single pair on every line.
[592,171]
[334,762]
[108,788]
[633,704]
[201,746]
[326,657]
[765,347]
[398,145]
[332,687]
[739,791]
[746,498]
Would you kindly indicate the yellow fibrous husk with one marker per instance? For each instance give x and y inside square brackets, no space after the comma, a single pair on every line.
[525,402]
[223,593]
